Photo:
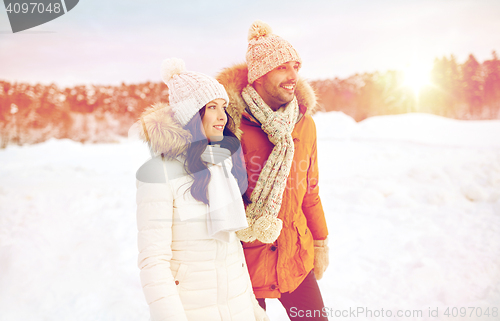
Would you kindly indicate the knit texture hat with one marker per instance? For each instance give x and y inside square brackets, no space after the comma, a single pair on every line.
[266,51]
[188,91]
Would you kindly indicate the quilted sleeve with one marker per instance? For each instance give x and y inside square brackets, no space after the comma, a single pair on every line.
[154,223]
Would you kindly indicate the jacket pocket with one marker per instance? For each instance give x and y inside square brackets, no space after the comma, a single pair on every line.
[305,245]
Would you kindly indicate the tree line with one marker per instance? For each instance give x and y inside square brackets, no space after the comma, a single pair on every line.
[470,90]
[34,113]
[92,113]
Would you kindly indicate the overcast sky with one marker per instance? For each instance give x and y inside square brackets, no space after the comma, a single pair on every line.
[109,42]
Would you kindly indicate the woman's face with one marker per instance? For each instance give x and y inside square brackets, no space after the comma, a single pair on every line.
[214,120]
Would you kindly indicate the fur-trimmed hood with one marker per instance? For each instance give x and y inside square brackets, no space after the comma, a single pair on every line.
[235,78]
[162,132]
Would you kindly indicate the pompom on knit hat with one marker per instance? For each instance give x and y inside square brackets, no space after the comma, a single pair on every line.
[266,51]
[189,91]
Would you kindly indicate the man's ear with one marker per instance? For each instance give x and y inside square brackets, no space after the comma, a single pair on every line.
[257,81]
[257,85]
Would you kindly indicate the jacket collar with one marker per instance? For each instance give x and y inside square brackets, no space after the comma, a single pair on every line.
[162,132]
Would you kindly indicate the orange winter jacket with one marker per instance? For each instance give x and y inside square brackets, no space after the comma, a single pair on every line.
[281,267]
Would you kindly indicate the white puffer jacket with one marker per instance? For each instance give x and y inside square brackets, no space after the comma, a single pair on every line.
[185,274]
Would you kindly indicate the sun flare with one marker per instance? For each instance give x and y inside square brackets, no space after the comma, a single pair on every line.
[416,77]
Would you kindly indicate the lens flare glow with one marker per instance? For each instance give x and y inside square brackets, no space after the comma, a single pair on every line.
[416,76]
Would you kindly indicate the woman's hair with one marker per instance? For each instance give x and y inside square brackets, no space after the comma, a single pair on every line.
[198,170]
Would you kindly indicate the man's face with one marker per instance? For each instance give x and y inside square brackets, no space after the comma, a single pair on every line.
[277,87]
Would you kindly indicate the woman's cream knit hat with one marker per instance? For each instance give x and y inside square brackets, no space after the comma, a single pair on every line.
[188,91]
[266,51]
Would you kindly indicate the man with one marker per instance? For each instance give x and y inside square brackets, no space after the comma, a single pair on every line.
[287,234]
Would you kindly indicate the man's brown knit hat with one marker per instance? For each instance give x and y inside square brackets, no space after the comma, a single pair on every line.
[266,51]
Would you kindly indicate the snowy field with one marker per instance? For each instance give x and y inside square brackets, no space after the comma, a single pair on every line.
[412,203]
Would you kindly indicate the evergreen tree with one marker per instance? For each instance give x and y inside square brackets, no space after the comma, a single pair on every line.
[491,89]
[472,87]
[446,96]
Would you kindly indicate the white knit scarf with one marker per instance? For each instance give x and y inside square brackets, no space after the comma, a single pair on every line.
[226,212]
[262,213]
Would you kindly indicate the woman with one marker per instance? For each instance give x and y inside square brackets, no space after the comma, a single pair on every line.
[189,205]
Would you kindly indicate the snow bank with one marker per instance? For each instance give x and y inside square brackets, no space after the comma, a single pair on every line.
[335,124]
[413,127]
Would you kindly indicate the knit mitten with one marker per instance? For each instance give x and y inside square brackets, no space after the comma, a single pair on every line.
[260,314]
[321,259]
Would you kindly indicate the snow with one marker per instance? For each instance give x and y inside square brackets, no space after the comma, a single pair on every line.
[412,204]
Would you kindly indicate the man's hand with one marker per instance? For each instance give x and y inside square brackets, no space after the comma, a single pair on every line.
[321,259]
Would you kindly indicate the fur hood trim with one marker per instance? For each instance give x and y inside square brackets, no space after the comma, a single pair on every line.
[164,135]
[235,78]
